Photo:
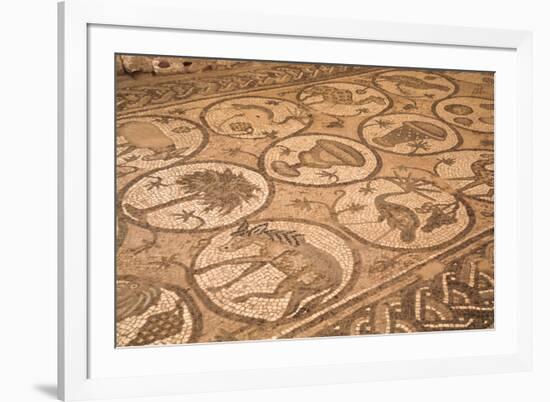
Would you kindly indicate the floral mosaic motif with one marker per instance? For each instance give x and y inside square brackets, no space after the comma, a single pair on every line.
[197,196]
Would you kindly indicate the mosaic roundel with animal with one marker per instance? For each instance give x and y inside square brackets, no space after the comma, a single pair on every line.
[344,99]
[273,270]
[276,200]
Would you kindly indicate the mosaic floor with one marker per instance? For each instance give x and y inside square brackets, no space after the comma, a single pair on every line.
[262,200]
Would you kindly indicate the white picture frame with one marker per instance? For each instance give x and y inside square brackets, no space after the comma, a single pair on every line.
[90,31]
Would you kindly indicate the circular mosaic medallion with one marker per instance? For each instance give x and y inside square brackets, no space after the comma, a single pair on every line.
[272,270]
[470,172]
[402,213]
[152,314]
[475,114]
[344,99]
[153,142]
[409,134]
[195,196]
[319,160]
[256,117]
[415,84]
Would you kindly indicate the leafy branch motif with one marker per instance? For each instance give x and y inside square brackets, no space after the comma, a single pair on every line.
[185,216]
[234,151]
[307,205]
[380,123]
[353,208]
[146,244]
[164,262]
[290,237]
[368,189]
[384,263]
[155,183]
[218,191]
[433,173]
[388,262]
[330,176]
[418,145]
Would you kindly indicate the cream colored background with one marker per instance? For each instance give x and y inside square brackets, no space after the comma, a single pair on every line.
[28,202]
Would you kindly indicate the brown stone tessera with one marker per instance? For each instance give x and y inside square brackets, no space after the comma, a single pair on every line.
[274,200]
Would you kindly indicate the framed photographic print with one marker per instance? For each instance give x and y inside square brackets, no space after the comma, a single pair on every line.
[250,202]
